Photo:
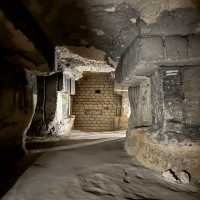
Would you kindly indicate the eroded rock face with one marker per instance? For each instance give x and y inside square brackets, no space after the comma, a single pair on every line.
[76,60]
[150,10]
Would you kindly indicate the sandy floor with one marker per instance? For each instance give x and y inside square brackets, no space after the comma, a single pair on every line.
[101,171]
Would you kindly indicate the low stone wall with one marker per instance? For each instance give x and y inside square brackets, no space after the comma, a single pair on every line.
[161,157]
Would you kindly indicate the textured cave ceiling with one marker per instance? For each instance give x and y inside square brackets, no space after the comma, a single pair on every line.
[107,25]
[110,25]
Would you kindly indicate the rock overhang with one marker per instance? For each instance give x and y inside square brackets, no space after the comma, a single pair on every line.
[147,53]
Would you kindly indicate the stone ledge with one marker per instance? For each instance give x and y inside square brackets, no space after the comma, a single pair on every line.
[162,157]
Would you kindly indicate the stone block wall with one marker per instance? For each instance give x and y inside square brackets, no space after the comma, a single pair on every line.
[95,105]
[146,53]
[184,23]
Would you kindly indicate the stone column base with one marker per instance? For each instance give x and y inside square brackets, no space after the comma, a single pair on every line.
[161,157]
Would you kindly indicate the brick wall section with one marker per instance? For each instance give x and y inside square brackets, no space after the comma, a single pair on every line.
[95,105]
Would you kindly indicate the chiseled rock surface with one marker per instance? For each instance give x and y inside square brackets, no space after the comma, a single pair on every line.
[101,172]
[170,51]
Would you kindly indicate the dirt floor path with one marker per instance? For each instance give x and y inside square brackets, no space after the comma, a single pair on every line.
[98,172]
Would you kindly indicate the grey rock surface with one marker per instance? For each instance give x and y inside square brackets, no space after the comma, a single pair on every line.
[101,172]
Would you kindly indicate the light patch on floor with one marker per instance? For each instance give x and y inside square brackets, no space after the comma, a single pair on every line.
[78,135]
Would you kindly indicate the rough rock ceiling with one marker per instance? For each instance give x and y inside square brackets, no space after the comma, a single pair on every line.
[110,25]
[17,49]
[107,25]
[76,60]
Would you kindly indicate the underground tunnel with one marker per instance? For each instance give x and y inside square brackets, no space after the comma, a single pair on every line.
[100,100]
